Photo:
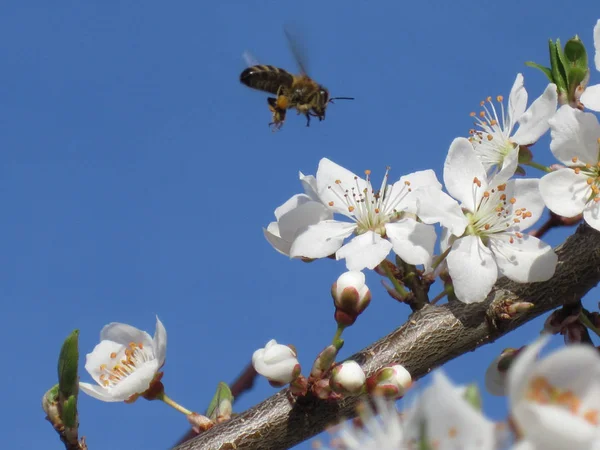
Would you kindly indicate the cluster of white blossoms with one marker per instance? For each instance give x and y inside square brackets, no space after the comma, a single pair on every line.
[554,404]
[484,212]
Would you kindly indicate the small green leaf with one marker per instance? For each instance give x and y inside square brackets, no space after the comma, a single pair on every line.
[564,63]
[576,54]
[559,79]
[545,70]
[222,397]
[473,397]
[576,76]
[69,412]
[67,365]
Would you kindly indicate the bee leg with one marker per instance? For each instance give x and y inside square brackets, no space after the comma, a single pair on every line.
[307,119]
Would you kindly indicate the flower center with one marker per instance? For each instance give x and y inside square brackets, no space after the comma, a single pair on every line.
[371,209]
[541,391]
[593,174]
[495,213]
[491,137]
[123,364]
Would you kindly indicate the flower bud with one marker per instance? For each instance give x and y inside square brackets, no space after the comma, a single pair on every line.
[277,363]
[324,361]
[347,378]
[350,296]
[390,382]
[495,375]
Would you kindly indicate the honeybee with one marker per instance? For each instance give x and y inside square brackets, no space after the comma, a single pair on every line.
[298,92]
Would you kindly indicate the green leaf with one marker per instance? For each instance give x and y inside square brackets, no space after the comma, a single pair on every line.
[576,76]
[576,54]
[67,365]
[564,63]
[222,397]
[473,397]
[546,70]
[69,412]
[557,75]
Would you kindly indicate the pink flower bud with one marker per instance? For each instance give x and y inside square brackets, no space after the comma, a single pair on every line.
[350,296]
[347,378]
[391,382]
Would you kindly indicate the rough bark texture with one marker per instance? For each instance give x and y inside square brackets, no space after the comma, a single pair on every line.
[431,337]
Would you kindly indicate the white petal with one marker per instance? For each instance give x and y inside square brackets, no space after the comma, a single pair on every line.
[100,356]
[534,123]
[309,183]
[297,220]
[272,235]
[332,181]
[517,100]
[435,206]
[291,203]
[591,97]
[521,368]
[121,333]
[509,166]
[462,166]
[526,193]
[414,181]
[591,214]
[364,251]
[412,241]
[160,342]
[495,381]
[472,269]
[98,392]
[574,135]
[525,260]
[565,192]
[322,239]
[136,383]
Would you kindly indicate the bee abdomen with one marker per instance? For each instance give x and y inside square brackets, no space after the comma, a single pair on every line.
[266,78]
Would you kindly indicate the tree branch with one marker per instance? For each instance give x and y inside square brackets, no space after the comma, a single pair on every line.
[431,337]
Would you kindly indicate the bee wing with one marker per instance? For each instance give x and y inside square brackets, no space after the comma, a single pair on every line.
[297,50]
[249,59]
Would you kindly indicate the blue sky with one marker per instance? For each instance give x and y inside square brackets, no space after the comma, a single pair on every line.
[137,174]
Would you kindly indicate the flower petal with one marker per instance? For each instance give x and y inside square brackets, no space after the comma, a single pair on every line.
[591,214]
[332,181]
[272,235]
[124,334]
[565,192]
[412,241]
[462,166]
[309,183]
[591,97]
[322,239]
[597,45]
[160,342]
[472,268]
[101,356]
[364,251]
[412,182]
[297,220]
[517,101]
[523,259]
[526,193]
[495,381]
[435,206]
[292,203]
[137,382]
[574,135]
[521,368]
[99,393]
[534,123]
[509,166]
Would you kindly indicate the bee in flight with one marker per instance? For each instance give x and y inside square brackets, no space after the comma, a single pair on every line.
[292,91]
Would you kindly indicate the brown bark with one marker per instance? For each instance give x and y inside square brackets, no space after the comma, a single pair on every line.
[431,337]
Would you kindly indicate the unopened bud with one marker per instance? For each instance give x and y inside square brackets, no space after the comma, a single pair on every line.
[322,389]
[517,308]
[347,378]
[324,361]
[277,363]
[350,296]
[390,382]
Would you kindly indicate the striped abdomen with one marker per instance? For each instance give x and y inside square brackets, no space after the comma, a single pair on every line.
[266,78]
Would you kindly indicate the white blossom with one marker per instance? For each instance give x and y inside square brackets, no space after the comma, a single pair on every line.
[574,189]
[484,233]
[347,377]
[125,362]
[381,219]
[591,96]
[496,138]
[276,362]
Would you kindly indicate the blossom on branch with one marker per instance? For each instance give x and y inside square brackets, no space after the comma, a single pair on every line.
[591,96]
[496,138]
[277,363]
[484,233]
[574,189]
[125,363]
[381,219]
